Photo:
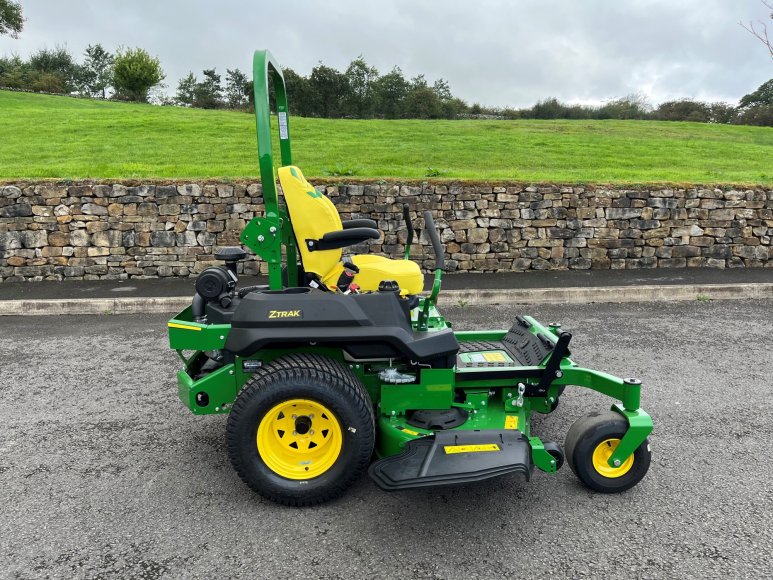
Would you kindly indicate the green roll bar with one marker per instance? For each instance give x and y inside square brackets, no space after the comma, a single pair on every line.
[266,235]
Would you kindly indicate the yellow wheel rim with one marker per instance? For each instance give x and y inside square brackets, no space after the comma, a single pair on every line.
[601,455]
[299,439]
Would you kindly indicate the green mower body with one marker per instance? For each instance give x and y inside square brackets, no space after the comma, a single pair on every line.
[318,379]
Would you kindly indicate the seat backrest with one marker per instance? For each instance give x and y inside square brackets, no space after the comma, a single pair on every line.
[312,215]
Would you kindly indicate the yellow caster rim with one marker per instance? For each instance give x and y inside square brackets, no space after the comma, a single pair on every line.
[601,455]
[299,439]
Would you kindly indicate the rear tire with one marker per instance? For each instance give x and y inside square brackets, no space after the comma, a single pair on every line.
[590,442]
[301,430]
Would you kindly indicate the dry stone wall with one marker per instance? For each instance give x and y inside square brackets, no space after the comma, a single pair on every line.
[118,231]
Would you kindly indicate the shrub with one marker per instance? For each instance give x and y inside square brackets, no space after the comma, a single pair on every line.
[684,110]
[135,72]
[761,115]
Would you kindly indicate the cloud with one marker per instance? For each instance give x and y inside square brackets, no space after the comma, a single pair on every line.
[494,52]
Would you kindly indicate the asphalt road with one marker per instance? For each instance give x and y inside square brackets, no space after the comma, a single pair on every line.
[104,473]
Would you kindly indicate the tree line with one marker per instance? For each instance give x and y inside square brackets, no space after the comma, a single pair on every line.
[129,74]
[359,91]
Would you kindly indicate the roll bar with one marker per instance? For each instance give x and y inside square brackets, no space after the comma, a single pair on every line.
[265,235]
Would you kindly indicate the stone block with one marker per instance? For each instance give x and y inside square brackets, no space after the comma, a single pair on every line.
[34,238]
[107,239]
[16,210]
[147,209]
[162,239]
[93,209]
[475,235]
[672,263]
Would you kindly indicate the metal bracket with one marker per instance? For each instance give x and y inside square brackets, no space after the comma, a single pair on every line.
[639,427]
[262,236]
[552,369]
[541,458]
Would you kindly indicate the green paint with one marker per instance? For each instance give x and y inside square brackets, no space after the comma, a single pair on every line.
[263,65]
[639,427]
[219,386]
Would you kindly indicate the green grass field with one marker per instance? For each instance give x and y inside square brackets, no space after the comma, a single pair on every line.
[57,137]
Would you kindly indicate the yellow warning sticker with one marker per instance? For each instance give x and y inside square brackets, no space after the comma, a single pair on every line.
[409,431]
[511,422]
[494,357]
[183,326]
[470,448]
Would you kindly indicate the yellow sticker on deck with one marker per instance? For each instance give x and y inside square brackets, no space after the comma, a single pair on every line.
[409,431]
[183,326]
[494,357]
[511,422]
[470,448]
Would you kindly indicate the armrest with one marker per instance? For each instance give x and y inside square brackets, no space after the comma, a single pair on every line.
[342,239]
[359,223]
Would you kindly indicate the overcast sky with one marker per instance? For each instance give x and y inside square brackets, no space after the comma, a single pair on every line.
[495,52]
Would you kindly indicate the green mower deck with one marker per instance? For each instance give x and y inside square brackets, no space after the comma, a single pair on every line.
[316,378]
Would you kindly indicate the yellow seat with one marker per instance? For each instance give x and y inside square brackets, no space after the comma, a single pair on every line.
[313,215]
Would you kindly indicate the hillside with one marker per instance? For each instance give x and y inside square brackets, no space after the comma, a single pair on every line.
[45,136]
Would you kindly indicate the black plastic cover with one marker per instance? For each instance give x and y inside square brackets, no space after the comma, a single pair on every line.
[374,325]
[230,254]
[426,462]
[213,282]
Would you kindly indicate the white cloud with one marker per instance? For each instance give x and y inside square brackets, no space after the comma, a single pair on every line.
[495,52]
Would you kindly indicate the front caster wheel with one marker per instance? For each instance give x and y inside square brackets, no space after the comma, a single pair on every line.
[302,430]
[589,444]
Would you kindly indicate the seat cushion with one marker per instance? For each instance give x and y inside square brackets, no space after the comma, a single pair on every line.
[375,269]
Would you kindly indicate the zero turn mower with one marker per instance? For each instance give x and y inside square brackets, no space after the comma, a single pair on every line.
[340,358]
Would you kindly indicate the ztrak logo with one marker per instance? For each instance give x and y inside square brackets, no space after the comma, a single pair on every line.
[285,314]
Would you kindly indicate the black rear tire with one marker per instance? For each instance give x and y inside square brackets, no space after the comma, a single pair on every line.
[592,432]
[302,377]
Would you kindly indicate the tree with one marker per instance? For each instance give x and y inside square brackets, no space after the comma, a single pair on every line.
[11,18]
[14,72]
[237,89]
[329,88]
[390,92]
[757,108]
[761,115]
[762,33]
[762,96]
[208,94]
[421,102]
[360,78]
[135,72]
[442,89]
[452,108]
[633,106]
[684,110]
[185,90]
[721,112]
[97,70]
[299,95]
[57,66]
